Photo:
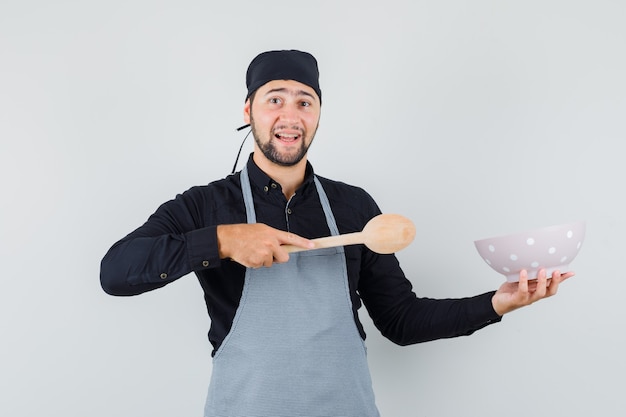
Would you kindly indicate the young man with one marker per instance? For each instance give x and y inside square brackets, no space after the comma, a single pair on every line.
[284,327]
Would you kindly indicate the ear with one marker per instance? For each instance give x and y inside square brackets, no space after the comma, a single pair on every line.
[246,112]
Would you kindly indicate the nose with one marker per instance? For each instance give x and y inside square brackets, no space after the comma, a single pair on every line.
[289,114]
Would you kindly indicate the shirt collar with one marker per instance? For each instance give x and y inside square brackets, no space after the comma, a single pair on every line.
[262,181]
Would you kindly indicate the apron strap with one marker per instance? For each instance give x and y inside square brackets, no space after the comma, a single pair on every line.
[330,218]
[249,202]
[247,196]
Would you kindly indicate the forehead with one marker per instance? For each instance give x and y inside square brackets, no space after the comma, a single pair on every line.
[289,87]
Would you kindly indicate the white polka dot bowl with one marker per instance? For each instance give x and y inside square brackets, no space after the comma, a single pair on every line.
[552,248]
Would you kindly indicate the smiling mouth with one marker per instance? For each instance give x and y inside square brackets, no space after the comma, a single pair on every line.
[287,137]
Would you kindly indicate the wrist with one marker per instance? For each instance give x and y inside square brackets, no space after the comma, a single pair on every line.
[497,306]
[222,248]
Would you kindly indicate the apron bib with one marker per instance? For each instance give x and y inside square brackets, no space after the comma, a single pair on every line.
[293,349]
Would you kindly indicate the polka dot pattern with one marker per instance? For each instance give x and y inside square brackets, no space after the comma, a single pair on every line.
[552,248]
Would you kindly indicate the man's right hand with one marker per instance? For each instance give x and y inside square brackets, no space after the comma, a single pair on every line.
[256,245]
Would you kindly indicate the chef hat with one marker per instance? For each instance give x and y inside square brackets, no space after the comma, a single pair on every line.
[283,65]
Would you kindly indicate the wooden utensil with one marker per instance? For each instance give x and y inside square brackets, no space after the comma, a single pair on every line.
[385,233]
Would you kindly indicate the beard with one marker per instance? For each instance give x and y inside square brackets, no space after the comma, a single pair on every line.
[269,150]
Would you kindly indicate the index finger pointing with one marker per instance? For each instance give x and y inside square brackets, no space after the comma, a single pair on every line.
[294,243]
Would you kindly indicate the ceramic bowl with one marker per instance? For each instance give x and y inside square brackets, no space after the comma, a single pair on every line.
[552,248]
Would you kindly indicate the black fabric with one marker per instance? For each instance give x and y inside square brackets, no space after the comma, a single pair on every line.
[283,65]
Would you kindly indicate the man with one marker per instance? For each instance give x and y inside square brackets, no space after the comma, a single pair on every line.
[284,327]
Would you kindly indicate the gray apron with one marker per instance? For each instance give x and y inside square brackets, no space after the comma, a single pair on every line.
[293,348]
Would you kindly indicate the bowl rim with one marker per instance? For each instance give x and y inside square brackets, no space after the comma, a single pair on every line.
[534,230]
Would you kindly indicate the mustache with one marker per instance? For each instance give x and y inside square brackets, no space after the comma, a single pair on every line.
[287,127]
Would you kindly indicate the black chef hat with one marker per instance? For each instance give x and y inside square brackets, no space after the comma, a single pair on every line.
[283,65]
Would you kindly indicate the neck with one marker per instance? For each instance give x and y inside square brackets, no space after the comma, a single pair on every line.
[290,178]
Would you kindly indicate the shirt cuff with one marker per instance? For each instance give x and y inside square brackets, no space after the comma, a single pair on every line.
[482,312]
[202,248]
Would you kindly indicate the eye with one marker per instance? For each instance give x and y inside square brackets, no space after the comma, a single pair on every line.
[274,100]
[305,104]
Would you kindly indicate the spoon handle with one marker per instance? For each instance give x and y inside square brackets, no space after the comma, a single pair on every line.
[330,242]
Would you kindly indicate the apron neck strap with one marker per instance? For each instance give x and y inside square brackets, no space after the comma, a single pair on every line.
[249,202]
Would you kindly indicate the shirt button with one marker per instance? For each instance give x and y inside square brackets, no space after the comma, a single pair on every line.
[163,275]
[266,188]
[274,185]
[205,263]
[288,211]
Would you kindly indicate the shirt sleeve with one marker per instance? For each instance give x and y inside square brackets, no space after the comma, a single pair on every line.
[404,318]
[172,243]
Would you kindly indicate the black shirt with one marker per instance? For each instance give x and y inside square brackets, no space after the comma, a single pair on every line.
[180,237]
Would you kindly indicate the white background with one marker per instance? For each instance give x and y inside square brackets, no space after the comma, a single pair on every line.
[473,118]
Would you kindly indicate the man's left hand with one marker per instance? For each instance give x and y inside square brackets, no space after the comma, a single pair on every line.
[513,295]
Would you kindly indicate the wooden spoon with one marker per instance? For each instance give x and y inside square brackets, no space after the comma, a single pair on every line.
[385,233]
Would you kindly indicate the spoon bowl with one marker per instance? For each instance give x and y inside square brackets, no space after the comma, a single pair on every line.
[384,234]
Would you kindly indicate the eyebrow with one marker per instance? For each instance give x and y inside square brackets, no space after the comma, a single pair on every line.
[291,92]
